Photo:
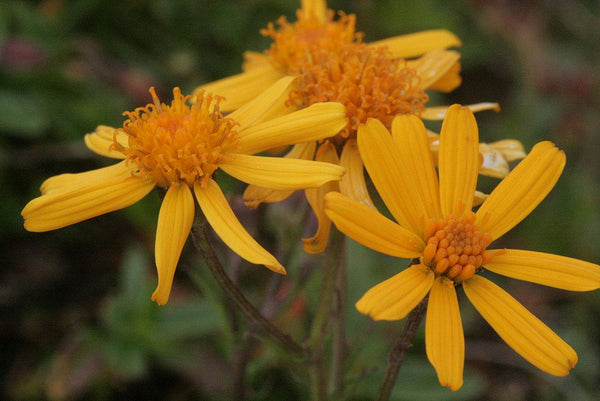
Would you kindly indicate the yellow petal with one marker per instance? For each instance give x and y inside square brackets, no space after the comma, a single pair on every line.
[547,269]
[101,141]
[522,190]
[255,195]
[434,65]
[511,149]
[175,221]
[272,97]
[415,44]
[385,166]
[479,198]
[280,173]
[83,201]
[219,215]
[444,338]
[318,121]
[410,135]
[449,80]
[372,229]
[493,163]
[353,183]
[67,182]
[439,112]
[241,88]
[458,161]
[255,60]
[394,298]
[519,328]
[315,8]
[318,242]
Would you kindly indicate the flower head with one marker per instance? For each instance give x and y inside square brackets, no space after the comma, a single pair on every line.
[379,80]
[179,147]
[436,226]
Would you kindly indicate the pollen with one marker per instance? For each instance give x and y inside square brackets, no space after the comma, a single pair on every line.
[177,143]
[456,248]
[333,65]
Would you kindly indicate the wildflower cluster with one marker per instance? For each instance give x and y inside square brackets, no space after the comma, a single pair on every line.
[343,105]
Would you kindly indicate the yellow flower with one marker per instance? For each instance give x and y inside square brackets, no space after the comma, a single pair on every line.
[179,148]
[373,80]
[435,224]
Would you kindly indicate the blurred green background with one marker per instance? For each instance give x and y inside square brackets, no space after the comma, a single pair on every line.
[77,322]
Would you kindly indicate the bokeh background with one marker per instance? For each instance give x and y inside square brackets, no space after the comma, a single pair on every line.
[76,318]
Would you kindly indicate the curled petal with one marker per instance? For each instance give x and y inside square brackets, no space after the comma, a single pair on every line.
[434,66]
[522,190]
[511,149]
[219,215]
[101,141]
[353,183]
[175,221]
[370,228]
[418,43]
[493,163]
[315,196]
[546,269]
[280,173]
[78,201]
[395,297]
[519,328]
[444,338]
[313,123]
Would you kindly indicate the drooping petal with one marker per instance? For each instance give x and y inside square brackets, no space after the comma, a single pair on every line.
[448,81]
[175,221]
[353,183]
[458,161]
[315,196]
[493,163]
[222,219]
[370,228]
[273,96]
[255,195]
[511,149]
[68,182]
[101,141]
[439,112]
[316,9]
[318,121]
[395,297]
[434,65]
[418,43]
[522,190]
[411,137]
[81,201]
[280,173]
[241,88]
[444,337]
[385,166]
[519,328]
[546,269]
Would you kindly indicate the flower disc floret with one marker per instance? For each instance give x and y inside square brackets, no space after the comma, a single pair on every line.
[456,248]
[177,143]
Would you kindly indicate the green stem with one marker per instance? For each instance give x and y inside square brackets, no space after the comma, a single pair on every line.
[202,242]
[318,331]
[396,356]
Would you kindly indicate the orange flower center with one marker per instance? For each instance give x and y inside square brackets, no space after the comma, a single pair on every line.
[177,143]
[332,64]
[455,247]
